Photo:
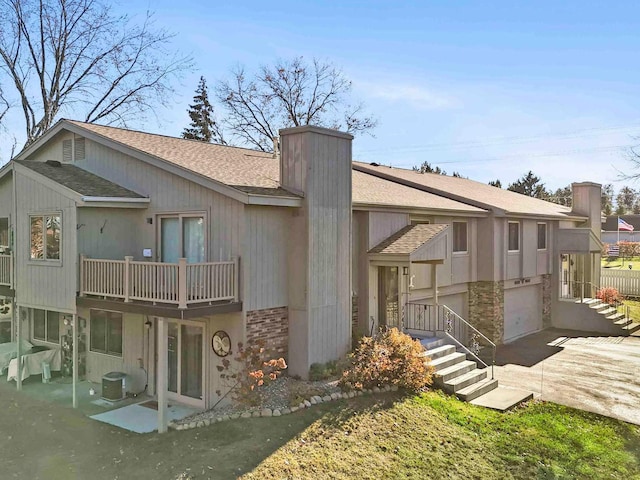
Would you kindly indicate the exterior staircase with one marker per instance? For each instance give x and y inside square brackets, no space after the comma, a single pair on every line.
[455,374]
[620,319]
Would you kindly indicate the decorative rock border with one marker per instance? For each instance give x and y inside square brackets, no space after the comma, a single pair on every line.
[267,412]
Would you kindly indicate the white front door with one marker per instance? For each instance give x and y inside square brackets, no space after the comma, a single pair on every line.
[186,362]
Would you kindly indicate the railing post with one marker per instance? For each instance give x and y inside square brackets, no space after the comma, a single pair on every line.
[182,283]
[582,293]
[82,285]
[127,278]
[236,279]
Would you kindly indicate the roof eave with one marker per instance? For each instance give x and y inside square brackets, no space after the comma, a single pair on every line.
[273,200]
[119,202]
[414,209]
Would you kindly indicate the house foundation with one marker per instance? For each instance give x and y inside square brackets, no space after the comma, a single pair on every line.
[270,325]
[486,308]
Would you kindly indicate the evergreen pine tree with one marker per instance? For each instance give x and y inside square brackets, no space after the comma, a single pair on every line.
[203,125]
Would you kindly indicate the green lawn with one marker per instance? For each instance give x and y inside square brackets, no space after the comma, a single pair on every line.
[435,436]
[621,263]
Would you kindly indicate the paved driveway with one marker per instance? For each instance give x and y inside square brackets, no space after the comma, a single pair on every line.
[596,373]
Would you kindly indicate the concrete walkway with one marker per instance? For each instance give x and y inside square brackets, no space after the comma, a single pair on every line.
[595,373]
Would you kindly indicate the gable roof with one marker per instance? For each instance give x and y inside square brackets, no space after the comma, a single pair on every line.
[408,239]
[253,177]
[469,191]
[79,180]
[374,191]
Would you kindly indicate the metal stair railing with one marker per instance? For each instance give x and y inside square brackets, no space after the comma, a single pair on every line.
[440,318]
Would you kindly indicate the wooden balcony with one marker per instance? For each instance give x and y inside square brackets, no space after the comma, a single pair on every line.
[6,270]
[180,284]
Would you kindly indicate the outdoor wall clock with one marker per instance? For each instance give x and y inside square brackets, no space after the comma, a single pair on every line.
[221,343]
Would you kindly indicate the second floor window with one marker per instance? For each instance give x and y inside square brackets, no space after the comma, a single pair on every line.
[514,236]
[45,237]
[542,236]
[4,233]
[182,236]
[459,237]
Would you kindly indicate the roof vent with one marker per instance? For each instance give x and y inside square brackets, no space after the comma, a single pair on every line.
[53,163]
[374,164]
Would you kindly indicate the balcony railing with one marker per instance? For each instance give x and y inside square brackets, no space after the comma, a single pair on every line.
[6,271]
[181,283]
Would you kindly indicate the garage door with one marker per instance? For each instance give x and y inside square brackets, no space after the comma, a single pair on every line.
[522,311]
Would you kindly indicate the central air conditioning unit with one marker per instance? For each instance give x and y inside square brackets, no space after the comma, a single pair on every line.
[113,386]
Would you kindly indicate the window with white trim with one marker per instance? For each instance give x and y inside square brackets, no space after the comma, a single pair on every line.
[542,236]
[46,326]
[459,237]
[106,332]
[4,233]
[45,237]
[514,236]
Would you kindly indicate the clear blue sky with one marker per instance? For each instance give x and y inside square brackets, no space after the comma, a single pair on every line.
[489,89]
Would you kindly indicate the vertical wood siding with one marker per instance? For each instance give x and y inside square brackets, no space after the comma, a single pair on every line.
[169,194]
[385,224]
[6,197]
[264,260]
[42,284]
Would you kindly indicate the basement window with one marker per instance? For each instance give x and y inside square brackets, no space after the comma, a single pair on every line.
[46,326]
[106,332]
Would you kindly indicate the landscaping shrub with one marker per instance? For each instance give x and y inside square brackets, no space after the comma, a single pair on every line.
[609,295]
[629,249]
[248,371]
[323,371]
[388,358]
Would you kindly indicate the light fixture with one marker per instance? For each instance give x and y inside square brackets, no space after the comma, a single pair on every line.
[405,270]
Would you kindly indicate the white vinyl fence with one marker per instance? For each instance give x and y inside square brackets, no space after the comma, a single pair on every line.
[627,282]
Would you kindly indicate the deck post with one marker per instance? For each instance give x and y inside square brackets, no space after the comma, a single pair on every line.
[74,359]
[81,268]
[17,311]
[182,283]
[163,366]
[127,278]
[236,279]
[434,282]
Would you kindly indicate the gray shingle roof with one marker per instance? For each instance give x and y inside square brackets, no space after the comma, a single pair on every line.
[476,193]
[79,180]
[408,239]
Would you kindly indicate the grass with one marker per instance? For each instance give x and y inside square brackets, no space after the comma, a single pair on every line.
[621,263]
[435,436]
[388,436]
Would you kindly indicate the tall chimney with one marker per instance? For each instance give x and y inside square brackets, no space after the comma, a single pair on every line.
[315,163]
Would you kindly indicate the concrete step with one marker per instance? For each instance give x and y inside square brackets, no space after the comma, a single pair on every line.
[607,311]
[621,321]
[598,306]
[632,327]
[589,301]
[448,360]
[615,316]
[503,398]
[432,342]
[477,389]
[439,352]
[446,374]
[469,378]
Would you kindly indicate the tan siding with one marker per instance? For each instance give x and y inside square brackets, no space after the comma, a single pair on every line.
[529,248]
[110,233]
[134,347]
[168,193]
[385,224]
[6,197]
[231,323]
[41,284]
[265,258]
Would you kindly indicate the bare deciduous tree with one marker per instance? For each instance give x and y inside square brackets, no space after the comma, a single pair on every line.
[76,56]
[288,94]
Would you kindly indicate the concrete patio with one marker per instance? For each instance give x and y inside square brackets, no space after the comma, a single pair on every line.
[595,373]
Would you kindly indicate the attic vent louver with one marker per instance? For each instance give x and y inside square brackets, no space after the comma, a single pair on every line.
[53,163]
[78,153]
[66,150]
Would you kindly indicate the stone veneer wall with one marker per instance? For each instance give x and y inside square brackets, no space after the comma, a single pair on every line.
[272,326]
[486,309]
[546,301]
